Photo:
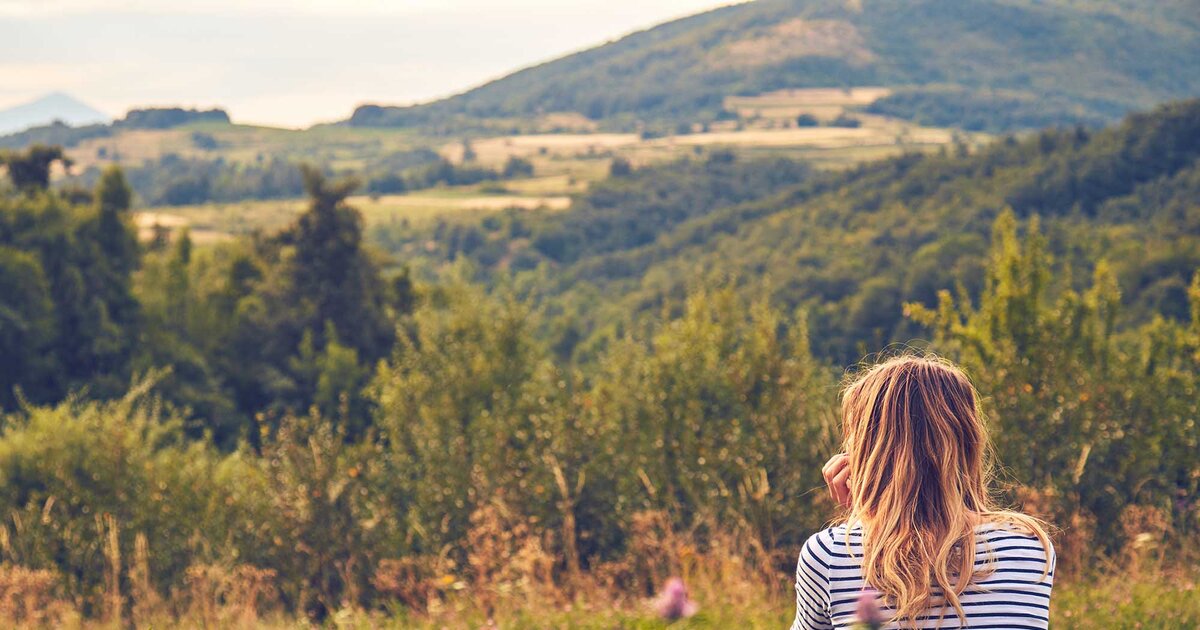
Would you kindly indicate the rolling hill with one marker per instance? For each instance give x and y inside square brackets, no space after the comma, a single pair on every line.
[852,247]
[982,65]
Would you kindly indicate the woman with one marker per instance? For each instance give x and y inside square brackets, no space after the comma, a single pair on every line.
[921,529]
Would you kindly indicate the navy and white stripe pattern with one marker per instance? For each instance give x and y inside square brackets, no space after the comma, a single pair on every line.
[1011,592]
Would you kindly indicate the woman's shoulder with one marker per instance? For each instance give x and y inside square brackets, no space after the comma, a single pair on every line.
[1015,541]
[834,544]
[831,555]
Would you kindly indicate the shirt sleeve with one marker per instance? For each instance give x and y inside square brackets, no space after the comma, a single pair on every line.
[812,591]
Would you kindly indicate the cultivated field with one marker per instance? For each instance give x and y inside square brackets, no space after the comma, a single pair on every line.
[214,222]
[586,156]
[564,162]
[823,103]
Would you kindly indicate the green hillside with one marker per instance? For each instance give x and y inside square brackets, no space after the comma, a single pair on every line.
[987,64]
[853,247]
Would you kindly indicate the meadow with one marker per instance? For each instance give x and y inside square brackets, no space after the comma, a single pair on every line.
[615,370]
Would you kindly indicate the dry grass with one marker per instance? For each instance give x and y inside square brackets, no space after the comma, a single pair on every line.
[29,598]
[514,576]
[225,597]
[824,103]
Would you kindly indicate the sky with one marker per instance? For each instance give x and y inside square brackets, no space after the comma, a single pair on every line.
[294,62]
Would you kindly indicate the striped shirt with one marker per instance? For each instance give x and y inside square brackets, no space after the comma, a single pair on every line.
[1009,593]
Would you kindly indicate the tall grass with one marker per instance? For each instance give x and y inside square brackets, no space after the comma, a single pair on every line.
[511,581]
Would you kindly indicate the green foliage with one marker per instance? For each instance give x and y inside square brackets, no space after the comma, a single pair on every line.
[172,180]
[387,184]
[517,167]
[630,210]
[26,322]
[692,420]
[335,377]
[272,326]
[81,481]
[463,413]
[327,526]
[445,172]
[1112,412]
[186,315]
[807,120]
[74,264]
[1144,148]
[984,109]
[710,417]
[332,277]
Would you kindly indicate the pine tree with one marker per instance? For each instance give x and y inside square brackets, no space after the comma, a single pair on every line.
[333,275]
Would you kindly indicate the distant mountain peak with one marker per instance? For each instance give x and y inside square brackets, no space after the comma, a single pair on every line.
[47,109]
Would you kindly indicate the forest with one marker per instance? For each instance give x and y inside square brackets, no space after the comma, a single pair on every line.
[542,416]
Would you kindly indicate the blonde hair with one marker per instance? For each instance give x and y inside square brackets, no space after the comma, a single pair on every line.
[919,460]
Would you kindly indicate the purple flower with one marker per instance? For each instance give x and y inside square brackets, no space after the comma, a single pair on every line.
[867,612]
[673,603]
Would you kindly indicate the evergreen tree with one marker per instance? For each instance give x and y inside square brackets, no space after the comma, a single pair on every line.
[332,274]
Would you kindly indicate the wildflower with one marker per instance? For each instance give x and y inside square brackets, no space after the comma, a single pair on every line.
[673,603]
[867,614]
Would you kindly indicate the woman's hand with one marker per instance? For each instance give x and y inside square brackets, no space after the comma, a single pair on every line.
[837,478]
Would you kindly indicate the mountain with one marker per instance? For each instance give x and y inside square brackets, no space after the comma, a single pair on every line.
[981,64]
[48,109]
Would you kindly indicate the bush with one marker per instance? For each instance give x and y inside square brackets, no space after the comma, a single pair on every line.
[85,480]
[517,167]
[620,167]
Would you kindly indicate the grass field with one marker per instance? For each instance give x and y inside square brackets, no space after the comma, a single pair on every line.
[220,221]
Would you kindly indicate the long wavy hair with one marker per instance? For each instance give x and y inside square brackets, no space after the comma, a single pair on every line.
[920,466]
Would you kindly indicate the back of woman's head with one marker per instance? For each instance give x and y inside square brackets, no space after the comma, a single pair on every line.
[918,451]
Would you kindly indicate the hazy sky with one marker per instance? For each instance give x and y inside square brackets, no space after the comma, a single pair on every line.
[294,62]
